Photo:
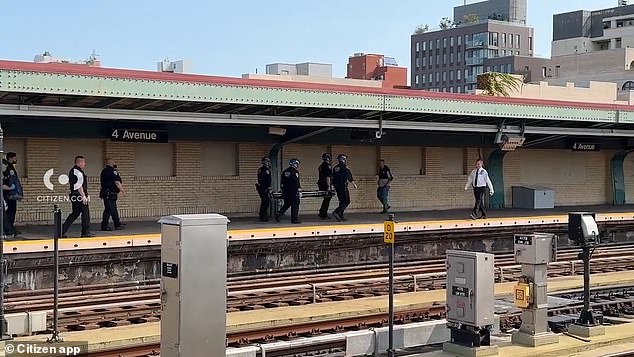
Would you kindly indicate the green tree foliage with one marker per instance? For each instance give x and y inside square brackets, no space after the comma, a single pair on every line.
[498,84]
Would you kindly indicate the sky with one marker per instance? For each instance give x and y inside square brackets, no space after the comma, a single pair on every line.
[230,38]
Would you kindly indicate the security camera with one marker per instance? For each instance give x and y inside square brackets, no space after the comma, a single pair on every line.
[378,134]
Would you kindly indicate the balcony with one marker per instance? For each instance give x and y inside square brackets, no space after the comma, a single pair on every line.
[477,44]
[471,79]
[474,61]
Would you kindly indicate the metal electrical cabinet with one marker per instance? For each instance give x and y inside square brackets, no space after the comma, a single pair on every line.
[470,288]
[193,285]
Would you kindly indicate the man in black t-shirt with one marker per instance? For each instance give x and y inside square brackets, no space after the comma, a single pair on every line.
[78,182]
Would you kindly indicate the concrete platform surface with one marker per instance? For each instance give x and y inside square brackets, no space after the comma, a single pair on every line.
[151,226]
[618,339]
[296,315]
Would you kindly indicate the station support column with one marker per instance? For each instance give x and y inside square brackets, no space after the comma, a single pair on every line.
[193,285]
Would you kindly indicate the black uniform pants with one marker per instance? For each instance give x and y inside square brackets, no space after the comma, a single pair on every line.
[265,202]
[478,207]
[12,208]
[110,209]
[79,208]
[344,199]
[291,201]
[325,204]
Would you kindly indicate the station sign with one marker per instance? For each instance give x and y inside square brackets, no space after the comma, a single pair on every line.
[581,146]
[139,136]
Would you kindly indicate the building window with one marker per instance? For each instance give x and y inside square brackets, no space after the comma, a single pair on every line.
[431,45]
[219,159]
[431,61]
[417,63]
[543,72]
[451,58]
[557,69]
[154,159]
[618,42]
[510,68]
[424,62]
[459,74]
[417,46]
[444,76]
[444,59]
[437,77]
[493,39]
[417,79]
[424,78]
[503,40]
[437,43]
[444,42]
[459,40]
[451,41]
[530,43]
[450,89]
[451,76]
[459,89]
[511,40]
[503,53]
[606,24]
[459,57]
[517,41]
[92,150]
[437,60]
[424,43]
[495,68]
[453,161]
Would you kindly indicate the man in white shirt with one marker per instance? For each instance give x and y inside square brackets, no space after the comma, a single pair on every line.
[479,180]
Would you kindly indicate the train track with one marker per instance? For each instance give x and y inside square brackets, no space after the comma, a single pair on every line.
[611,301]
[276,290]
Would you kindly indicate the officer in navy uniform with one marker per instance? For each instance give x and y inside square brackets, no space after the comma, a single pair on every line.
[264,188]
[12,192]
[79,198]
[291,191]
[111,186]
[325,175]
[341,176]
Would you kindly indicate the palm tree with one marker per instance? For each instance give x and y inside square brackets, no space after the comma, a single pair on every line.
[495,83]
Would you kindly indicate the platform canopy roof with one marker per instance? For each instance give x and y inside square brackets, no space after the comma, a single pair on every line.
[79,91]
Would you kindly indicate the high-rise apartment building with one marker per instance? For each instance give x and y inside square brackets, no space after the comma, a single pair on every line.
[450,60]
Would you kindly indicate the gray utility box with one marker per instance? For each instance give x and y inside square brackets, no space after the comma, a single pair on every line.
[536,248]
[193,285]
[470,288]
[533,197]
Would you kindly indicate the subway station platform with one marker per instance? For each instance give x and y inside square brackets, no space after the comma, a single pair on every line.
[147,232]
[248,322]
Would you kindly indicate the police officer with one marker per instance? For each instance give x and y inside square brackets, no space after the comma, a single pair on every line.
[341,176]
[291,191]
[325,175]
[78,182]
[12,192]
[264,188]
[111,186]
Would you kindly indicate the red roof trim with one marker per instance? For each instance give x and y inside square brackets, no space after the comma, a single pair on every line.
[85,70]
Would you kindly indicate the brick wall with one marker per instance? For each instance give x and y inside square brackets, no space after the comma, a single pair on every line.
[578,178]
[190,192]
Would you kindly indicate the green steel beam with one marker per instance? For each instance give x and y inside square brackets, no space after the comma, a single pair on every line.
[82,85]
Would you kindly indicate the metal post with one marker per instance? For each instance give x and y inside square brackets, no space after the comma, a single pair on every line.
[390,350]
[57,215]
[4,327]
[587,316]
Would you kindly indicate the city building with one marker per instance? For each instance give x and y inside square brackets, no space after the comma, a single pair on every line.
[594,46]
[181,66]
[47,57]
[301,69]
[449,60]
[589,31]
[532,69]
[377,67]
[504,10]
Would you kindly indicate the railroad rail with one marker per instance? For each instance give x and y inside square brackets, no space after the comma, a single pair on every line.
[612,301]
